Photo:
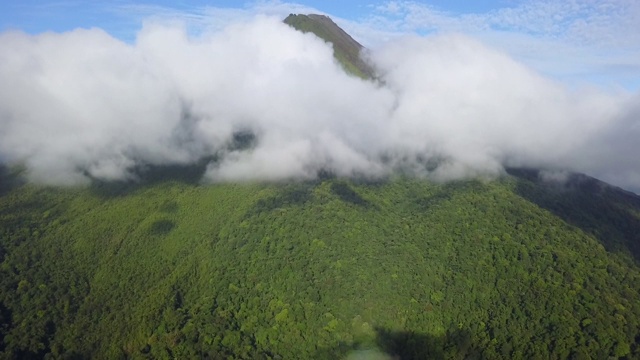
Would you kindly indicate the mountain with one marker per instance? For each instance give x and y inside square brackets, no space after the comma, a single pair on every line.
[345,49]
[503,269]
[517,267]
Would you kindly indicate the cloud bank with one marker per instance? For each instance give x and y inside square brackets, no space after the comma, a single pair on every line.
[573,40]
[83,105]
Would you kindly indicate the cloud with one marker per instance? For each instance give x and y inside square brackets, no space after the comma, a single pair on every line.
[82,104]
[571,40]
[579,22]
[611,153]
[578,41]
[483,109]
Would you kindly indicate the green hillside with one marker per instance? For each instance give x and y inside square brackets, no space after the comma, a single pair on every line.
[172,269]
[345,49]
[398,268]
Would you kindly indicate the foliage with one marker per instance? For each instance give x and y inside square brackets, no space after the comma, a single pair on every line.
[316,270]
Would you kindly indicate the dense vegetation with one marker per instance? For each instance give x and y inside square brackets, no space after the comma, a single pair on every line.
[164,268]
[511,268]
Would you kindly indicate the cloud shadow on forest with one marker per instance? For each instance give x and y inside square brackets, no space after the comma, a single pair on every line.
[408,345]
[608,213]
[289,195]
[348,195]
[10,179]
[190,174]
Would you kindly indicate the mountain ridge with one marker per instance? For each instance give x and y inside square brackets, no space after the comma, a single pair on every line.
[346,49]
[167,267]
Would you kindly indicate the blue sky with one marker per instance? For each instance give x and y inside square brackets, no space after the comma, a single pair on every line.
[578,42]
[34,16]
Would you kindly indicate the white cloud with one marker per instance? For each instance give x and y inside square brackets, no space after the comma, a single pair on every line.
[83,103]
[571,40]
[575,41]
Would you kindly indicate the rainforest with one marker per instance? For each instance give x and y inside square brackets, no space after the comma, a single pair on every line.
[510,268]
[322,239]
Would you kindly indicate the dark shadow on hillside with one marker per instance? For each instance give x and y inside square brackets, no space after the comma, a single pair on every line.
[610,214]
[347,194]
[325,174]
[10,178]
[144,175]
[408,345]
[428,202]
[6,320]
[161,227]
[289,195]
[446,193]
[299,193]
[19,213]
[295,194]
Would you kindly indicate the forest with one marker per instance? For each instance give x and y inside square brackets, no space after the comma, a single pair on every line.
[508,268]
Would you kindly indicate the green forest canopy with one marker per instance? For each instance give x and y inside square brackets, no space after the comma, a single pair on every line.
[511,268]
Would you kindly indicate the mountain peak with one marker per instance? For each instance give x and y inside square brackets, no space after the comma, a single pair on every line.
[345,48]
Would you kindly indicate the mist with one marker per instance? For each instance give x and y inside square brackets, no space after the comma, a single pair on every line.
[83,105]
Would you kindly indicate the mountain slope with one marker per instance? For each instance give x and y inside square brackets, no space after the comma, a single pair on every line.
[168,268]
[345,48]
[309,270]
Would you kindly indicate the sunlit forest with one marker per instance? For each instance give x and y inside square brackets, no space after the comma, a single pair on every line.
[399,267]
[512,268]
